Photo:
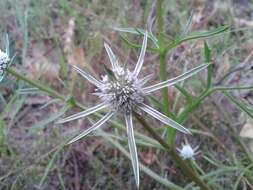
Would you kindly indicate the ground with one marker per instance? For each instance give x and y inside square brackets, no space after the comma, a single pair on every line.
[48,36]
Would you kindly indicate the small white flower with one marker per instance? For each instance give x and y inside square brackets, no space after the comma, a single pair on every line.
[187,152]
[122,92]
[4,59]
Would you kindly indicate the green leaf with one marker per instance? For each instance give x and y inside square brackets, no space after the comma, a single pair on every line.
[207,34]
[187,95]
[242,173]
[207,53]
[238,104]
[197,35]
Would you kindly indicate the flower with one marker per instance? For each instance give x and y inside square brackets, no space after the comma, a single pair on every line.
[4,59]
[121,91]
[187,152]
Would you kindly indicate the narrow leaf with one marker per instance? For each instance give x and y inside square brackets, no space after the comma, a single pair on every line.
[175,80]
[198,36]
[164,119]
[205,34]
[94,127]
[132,147]
[83,113]
[239,104]
[141,57]
[207,53]
[87,76]
[112,57]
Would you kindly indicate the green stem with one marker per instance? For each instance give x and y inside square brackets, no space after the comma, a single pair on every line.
[162,55]
[44,88]
[186,169]
[171,132]
[163,77]
[160,23]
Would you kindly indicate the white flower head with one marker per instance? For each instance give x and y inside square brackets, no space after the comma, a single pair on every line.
[121,91]
[187,152]
[4,59]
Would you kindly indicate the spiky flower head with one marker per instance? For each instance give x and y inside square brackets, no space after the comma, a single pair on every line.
[187,152]
[122,91]
[4,59]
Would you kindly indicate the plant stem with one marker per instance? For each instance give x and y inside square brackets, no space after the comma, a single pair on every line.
[163,77]
[160,23]
[186,169]
[162,56]
[44,88]
[171,132]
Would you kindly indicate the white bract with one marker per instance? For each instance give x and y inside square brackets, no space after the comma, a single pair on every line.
[122,92]
[187,152]
[4,59]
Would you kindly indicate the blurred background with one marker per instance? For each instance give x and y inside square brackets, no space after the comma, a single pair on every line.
[50,35]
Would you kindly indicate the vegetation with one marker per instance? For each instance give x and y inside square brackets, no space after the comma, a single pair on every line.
[46,39]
